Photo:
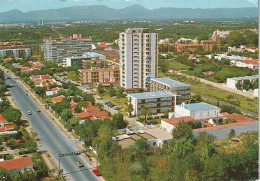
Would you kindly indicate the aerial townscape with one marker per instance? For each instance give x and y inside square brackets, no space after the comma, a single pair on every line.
[129,90]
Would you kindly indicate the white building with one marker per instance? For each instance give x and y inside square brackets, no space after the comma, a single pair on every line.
[78,60]
[138,58]
[158,102]
[169,124]
[166,84]
[16,52]
[55,49]
[231,82]
[197,110]
[256,93]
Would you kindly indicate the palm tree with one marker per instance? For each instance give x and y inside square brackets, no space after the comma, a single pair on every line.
[129,109]
[145,110]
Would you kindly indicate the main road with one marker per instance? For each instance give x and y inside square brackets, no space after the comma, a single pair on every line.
[53,139]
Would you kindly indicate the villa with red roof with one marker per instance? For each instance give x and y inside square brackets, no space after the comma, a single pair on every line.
[57,99]
[3,120]
[17,165]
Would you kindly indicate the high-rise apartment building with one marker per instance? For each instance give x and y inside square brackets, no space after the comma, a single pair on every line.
[138,58]
[55,49]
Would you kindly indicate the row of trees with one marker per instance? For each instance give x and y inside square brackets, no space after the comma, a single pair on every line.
[247,85]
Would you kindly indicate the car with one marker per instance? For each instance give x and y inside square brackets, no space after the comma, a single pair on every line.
[8,78]
[38,110]
[29,113]
[96,172]
[79,164]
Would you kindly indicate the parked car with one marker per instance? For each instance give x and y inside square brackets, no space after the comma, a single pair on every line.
[29,113]
[79,164]
[38,110]
[96,172]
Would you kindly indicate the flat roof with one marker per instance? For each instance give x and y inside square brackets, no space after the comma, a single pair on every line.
[159,134]
[150,95]
[198,106]
[170,82]
[244,78]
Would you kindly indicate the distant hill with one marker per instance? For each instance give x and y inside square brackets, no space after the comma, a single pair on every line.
[135,12]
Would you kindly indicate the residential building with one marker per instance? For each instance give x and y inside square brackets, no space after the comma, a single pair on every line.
[99,75]
[16,50]
[186,47]
[182,90]
[208,45]
[57,99]
[252,64]
[231,82]
[256,93]
[55,49]
[52,92]
[196,110]
[222,34]
[158,102]
[154,137]
[87,60]
[17,165]
[138,58]
[169,124]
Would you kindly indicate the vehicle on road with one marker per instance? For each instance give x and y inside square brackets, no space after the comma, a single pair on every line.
[96,172]
[29,113]
[8,78]
[38,110]
[79,164]
[116,108]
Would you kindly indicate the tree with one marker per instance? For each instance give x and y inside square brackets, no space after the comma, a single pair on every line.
[164,66]
[236,38]
[89,97]
[232,133]
[118,121]
[239,85]
[246,85]
[11,114]
[145,111]
[66,114]
[40,91]
[100,89]
[182,130]
[3,89]
[77,109]
[120,93]
[182,148]
[129,109]
[60,106]
[112,92]
[203,36]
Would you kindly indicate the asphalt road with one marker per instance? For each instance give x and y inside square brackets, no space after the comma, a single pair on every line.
[53,139]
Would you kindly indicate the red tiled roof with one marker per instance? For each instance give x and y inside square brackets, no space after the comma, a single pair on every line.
[6,59]
[175,121]
[89,103]
[16,164]
[100,113]
[37,80]
[55,89]
[238,117]
[111,53]
[2,129]
[102,45]
[72,104]
[45,77]
[2,119]
[35,76]
[105,117]
[8,127]
[58,99]
[208,72]
[92,108]
[254,61]
[83,115]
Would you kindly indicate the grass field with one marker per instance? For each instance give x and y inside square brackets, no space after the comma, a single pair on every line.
[210,91]
[174,65]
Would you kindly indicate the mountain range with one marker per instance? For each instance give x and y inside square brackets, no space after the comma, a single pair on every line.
[134,12]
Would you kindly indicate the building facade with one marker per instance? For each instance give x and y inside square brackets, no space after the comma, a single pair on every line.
[87,60]
[182,90]
[197,111]
[99,75]
[232,82]
[138,58]
[158,102]
[55,49]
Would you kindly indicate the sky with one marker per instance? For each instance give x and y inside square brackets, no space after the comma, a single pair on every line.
[31,5]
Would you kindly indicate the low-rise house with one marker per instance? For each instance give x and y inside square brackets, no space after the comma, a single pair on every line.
[232,82]
[208,73]
[154,137]
[3,121]
[53,91]
[169,124]
[252,64]
[197,111]
[17,165]
[57,99]
[158,102]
